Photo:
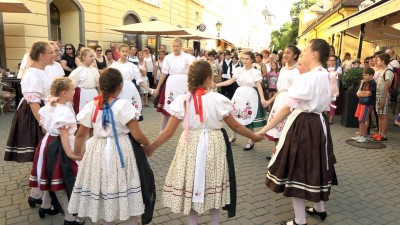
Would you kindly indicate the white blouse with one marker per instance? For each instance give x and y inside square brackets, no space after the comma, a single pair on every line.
[85,77]
[173,64]
[215,108]
[149,63]
[311,91]
[286,78]
[123,112]
[248,78]
[55,70]
[128,70]
[55,117]
[35,85]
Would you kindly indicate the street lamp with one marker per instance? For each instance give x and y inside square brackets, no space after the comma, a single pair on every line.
[218,25]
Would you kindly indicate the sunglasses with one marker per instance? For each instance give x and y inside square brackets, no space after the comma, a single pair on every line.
[68,48]
[99,50]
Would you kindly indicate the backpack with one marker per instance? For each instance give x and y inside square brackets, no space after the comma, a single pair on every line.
[394,89]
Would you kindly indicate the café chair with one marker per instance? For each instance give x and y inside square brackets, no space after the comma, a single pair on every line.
[3,101]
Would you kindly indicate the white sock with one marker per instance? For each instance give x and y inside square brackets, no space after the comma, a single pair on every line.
[299,210]
[214,214]
[234,135]
[192,217]
[68,216]
[164,122]
[46,200]
[35,193]
[132,221]
[251,141]
[319,206]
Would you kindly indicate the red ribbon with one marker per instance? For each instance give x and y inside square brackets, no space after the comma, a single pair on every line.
[198,106]
[99,106]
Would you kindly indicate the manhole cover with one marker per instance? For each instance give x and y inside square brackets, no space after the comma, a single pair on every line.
[368,145]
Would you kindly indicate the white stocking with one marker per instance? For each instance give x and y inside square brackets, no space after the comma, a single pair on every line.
[214,214]
[251,141]
[319,206]
[68,216]
[192,217]
[234,135]
[46,200]
[36,193]
[132,221]
[299,210]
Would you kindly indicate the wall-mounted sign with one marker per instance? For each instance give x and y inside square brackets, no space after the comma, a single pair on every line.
[202,27]
[156,3]
[365,4]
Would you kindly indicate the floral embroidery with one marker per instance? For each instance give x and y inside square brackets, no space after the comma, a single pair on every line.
[280,126]
[134,103]
[170,98]
[242,114]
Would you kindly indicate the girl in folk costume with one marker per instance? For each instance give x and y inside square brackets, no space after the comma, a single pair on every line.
[201,176]
[303,165]
[54,168]
[175,66]
[86,80]
[248,100]
[25,132]
[286,76]
[55,69]
[109,186]
[129,72]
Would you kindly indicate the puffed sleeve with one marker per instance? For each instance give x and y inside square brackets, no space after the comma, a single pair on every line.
[301,90]
[126,111]
[177,107]
[236,72]
[84,117]
[136,73]
[32,86]
[166,65]
[74,75]
[225,106]
[256,74]
[65,117]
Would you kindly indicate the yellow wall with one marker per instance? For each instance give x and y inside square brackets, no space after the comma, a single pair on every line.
[21,30]
[349,44]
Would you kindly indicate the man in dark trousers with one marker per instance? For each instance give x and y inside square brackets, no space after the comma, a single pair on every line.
[226,71]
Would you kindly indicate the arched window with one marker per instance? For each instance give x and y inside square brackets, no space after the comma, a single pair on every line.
[131,39]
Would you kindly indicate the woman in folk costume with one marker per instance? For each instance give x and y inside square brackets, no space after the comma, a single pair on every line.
[129,72]
[114,182]
[248,100]
[54,168]
[201,175]
[86,80]
[286,76]
[55,69]
[303,165]
[175,66]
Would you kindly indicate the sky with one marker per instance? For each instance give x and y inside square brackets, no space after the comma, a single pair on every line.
[279,8]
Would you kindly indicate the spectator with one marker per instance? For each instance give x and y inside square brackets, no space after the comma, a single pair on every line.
[68,59]
[393,62]
[132,56]
[114,51]
[347,62]
[164,49]
[109,57]
[382,96]
[100,59]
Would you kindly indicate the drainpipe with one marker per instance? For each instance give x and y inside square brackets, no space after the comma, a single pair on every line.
[341,34]
[360,40]
[316,33]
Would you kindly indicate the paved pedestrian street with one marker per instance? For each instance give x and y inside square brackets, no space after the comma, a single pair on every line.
[368,191]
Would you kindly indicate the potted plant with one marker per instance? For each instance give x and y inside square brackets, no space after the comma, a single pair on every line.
[351,81]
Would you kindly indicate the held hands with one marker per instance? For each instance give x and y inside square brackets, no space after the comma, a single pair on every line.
[257,137]
[265,103]
[148,150]
[74,156]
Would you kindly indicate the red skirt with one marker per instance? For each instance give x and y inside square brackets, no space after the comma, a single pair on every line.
[56,183]
[161,101]
[76,100]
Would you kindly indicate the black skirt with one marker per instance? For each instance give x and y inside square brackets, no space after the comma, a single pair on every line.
[304,167]
[25,135]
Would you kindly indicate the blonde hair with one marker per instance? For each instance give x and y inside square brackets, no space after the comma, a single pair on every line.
[123,46]
[85,52]
[59,85]
[143,70]
[178,40]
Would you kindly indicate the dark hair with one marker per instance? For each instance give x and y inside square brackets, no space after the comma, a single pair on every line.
[132,46]
[250,54]
[385,58]
[378,53]
[369,71]
[295,50]
[259,55]
[97,46]
[150,51]
[38,48]
[73,50]
[322,47]
[109,81]
[108,51]
[199,71]
[366,58]
[334,57]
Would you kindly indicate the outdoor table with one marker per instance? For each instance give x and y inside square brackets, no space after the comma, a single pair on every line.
[16,84]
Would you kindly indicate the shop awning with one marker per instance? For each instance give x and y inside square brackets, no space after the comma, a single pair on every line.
[374,12]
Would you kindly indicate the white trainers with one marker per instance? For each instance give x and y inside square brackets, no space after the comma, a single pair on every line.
[362,139]
[355,138]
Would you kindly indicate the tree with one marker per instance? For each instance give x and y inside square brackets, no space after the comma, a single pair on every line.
[290,30]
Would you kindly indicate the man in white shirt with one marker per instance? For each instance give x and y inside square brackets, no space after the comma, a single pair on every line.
[393,62]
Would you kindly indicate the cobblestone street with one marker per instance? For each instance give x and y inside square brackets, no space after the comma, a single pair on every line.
[367,191]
